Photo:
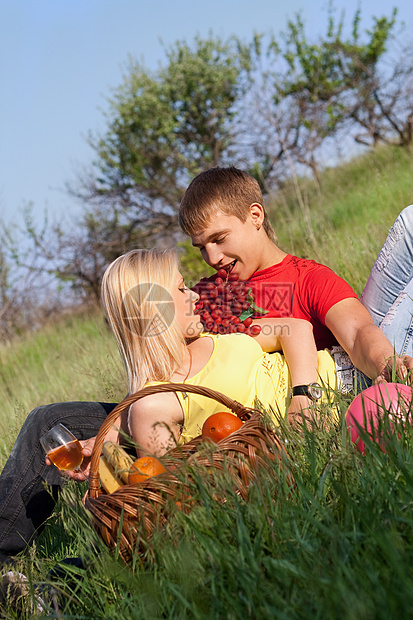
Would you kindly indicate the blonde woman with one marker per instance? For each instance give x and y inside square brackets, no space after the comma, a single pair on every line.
[152,315]
[160,338]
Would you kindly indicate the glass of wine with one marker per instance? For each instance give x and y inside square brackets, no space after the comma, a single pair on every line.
[62,448]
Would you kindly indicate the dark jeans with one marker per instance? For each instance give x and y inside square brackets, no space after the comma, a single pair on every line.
[24,502]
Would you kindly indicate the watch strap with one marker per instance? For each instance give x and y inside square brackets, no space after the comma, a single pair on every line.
[313,391]
[301,390]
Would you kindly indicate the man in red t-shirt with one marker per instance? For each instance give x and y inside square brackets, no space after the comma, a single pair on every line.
[223,213]
[302,289]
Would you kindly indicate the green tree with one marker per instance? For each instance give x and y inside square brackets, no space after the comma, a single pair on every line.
[379,85]
[319,90]
[163,128]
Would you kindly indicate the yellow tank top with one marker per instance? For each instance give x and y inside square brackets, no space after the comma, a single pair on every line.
[240,369]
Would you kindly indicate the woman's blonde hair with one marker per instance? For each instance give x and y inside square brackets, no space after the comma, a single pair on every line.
[136,296]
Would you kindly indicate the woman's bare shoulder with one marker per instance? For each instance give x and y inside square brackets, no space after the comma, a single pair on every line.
[162,406]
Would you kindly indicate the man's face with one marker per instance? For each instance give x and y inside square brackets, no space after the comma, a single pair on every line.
[231,244]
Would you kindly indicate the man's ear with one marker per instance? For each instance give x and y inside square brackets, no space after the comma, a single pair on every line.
[257,214]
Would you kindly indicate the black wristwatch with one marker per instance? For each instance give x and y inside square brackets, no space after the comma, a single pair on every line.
[313,391]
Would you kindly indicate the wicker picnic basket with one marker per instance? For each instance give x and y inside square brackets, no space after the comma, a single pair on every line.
[127,518]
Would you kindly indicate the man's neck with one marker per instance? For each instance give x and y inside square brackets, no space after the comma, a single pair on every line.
[272,255]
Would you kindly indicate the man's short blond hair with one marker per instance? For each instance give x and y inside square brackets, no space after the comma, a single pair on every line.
[229,190]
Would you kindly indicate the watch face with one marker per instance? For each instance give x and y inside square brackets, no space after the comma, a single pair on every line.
[315,391]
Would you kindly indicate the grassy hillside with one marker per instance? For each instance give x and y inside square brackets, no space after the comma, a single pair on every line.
[344,222]
[348,220]
[73,359]
[338,544]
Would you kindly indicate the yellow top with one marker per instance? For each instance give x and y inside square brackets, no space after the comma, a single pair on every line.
[240,369]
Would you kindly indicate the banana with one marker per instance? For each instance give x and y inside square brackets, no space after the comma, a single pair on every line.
[106,477]
[118,460]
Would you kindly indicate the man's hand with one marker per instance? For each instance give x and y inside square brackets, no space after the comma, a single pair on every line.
[368,348]
[397,368]
[83,472]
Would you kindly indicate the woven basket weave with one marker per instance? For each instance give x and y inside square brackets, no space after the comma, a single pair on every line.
[126,518]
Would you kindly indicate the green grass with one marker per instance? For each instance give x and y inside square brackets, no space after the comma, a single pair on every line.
[337,545]
[73,359]
[350,214]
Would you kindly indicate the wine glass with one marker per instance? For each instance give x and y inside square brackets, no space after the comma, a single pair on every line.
[62,448]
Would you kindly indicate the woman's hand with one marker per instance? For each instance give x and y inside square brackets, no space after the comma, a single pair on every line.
[299,408]
[83,472]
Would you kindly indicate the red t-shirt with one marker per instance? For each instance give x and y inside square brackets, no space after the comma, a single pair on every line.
[302,289]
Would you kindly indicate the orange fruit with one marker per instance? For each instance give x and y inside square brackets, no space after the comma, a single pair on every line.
[220,425]
[144,468]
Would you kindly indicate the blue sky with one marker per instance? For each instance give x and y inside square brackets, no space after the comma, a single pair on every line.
[59,60]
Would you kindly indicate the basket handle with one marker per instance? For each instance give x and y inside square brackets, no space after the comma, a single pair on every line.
[236,407]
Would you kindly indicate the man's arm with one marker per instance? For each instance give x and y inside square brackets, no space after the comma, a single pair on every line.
[368,348]
[294,337]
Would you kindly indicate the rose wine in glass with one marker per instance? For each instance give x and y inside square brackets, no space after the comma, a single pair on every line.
[62,448]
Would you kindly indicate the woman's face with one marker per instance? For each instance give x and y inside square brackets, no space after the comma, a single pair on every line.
[184,300]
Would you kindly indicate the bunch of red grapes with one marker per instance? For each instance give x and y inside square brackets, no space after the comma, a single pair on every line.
[223,306]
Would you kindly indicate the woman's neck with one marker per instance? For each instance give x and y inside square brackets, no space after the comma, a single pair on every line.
[184,370]
[195,357]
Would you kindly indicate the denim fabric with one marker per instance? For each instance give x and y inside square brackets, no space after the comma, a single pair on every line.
[25,504]
[350,380]
[388,294]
